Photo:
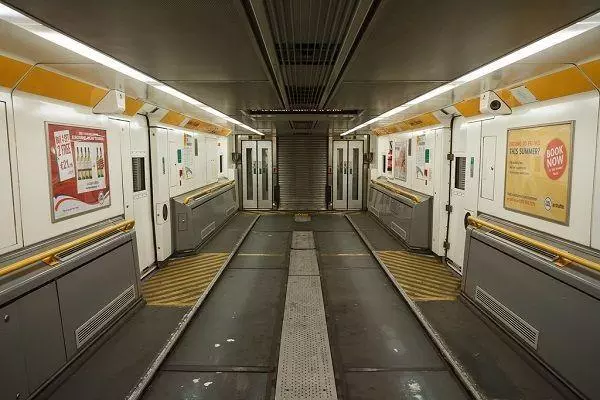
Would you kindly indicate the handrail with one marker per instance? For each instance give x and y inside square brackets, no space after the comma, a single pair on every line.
[562,254]
[401,192]
[202,192]
[48,256]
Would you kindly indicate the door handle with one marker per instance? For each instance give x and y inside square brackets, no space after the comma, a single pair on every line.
[254,167]
[345,168]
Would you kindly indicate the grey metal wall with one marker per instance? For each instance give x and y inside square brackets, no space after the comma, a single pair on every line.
[302,164]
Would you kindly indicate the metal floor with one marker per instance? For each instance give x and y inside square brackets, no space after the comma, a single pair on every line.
[231,349]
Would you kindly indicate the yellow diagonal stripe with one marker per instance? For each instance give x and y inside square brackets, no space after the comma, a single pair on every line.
[183,280]
[423,278]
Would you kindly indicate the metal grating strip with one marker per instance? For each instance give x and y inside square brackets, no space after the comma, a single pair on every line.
[511,320]
[305,367]
[303,262]
[303,240]
[89,328]
[396,228]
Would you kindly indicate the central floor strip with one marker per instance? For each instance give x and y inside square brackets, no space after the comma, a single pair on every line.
[305,368]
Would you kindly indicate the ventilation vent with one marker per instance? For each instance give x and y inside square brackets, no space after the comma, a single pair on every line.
[396,228]
[302,124]
[307,53]
[208,230]
[138,171]
[230,211]
[511,320]
[90,327]
[460,173]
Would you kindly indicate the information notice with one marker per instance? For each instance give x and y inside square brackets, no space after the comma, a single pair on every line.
[538,171]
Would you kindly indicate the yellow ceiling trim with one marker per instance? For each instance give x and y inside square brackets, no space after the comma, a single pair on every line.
[11,71]
[559,84]
[173,118]
[43,82]
[132,106]
[506,96]
[469,107]
[201,126]
[592,70]
[420,121]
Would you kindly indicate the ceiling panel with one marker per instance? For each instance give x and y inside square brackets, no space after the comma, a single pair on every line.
[413,40]
[169,40]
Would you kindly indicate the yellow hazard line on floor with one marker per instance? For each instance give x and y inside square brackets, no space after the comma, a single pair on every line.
[183,280]
[423,278]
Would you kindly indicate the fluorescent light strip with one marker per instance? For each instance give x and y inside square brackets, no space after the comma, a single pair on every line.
[545,43]
[16,18]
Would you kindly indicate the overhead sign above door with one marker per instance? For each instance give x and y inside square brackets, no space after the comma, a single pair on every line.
[538,171]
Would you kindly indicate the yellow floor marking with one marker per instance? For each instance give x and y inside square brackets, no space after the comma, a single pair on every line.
[183,280]
[261,254]
[423,277]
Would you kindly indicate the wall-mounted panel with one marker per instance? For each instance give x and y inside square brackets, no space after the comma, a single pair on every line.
[31,113]
[582,109]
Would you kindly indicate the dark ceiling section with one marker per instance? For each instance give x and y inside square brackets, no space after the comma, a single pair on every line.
[203,47]
[308,36]
[412,46]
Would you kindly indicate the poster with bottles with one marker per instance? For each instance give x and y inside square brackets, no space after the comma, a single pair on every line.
[78,168]
[400,160]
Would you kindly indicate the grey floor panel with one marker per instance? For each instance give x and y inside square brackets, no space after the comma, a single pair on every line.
[403,385]
[339,243]
[224,241]
[208,386]
[237,325]
[245,260]
[326,223]
[266,243]
[498,370]
[274,223]
[347,261]
[118,364]
[373,327]
[241,220]
[376,234]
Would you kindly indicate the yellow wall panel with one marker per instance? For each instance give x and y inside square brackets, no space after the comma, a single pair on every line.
[592,70]
[420,121]
[173,118]
[468,108]
[53,85]
[11,71]
[132,106]
[558,84]
[508,98]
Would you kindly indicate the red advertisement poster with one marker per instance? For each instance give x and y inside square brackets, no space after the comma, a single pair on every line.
[78,165]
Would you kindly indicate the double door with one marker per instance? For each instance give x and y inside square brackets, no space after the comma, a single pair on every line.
[347,174]
[257,174]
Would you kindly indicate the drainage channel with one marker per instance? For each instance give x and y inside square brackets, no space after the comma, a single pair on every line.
[305,369]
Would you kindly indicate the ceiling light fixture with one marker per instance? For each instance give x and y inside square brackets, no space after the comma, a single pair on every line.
[18,19]
[542,44]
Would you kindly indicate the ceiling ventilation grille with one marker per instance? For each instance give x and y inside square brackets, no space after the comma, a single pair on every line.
[308,36]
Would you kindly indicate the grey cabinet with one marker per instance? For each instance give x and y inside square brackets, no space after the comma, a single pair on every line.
[13,378]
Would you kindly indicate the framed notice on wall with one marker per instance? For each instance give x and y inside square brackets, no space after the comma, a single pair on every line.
[78,169]
[400,160]
[538,171]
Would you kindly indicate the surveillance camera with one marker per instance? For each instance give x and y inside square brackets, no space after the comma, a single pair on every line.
[490,103]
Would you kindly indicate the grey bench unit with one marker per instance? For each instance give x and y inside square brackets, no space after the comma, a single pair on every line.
[410,220]
[51,314]
[203,214]
[551,311]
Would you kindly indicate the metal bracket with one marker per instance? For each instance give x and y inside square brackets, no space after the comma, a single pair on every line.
[449,208]
[450,157]
[446,245]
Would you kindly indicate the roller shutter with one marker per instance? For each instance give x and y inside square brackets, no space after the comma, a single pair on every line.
[302,163]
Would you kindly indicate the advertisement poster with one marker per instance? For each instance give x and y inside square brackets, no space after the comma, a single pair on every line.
[400,160]
[538,171]
[77,162]
[422,158]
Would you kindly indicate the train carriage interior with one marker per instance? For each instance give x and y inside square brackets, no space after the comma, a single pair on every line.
[299,199]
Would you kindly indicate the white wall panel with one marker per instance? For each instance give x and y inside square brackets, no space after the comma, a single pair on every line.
[581,108]
[30,114]
[595,240]
[8,233]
